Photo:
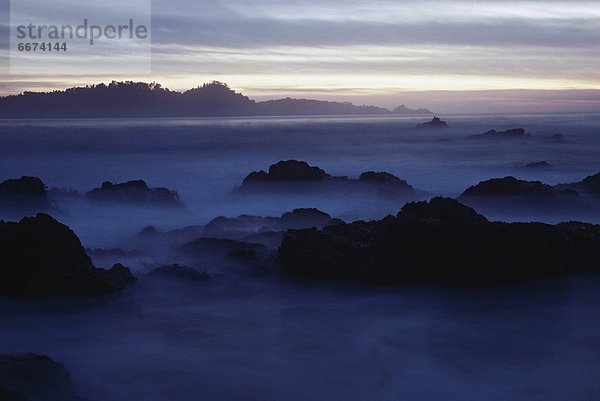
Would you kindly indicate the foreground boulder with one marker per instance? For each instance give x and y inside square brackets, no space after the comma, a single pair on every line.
[514,133]
[434,123]
[41,257]
[25,193]
[135,191]
[33,377]
[441,242]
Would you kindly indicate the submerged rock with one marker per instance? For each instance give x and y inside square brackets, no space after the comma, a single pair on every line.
[514,133]
[135,191]
[538,165]
[42,257]
[440,242]
[434,123]
[33,377]
[25,193]
[180,272]
[246,224]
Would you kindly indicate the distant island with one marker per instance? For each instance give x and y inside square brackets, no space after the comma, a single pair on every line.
[139,99]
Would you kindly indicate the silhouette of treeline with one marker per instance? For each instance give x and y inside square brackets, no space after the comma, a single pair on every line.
[139,99]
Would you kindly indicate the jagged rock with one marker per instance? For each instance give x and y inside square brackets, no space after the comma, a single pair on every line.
[441,242]
[245,224]
[33,377]
[294,175]
[25,193]
[510,186]
[434,123]
[180,272]
[386,179]
[135,191]
[515,133]
[589,185]
[42,257]
[539,165]
[288,170]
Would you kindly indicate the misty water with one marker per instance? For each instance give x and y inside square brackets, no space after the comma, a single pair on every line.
[246,335]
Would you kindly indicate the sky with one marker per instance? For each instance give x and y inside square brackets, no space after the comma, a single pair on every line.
[451,56]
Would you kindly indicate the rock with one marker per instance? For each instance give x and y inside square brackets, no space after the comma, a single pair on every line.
[441,242]
[293,175]
[288,170]
[384,178]
[25,193]
[435,123]
[42,257]
[515,133]
[539,165]
[223,247]
[558,138]
[589,185]
[510,186]
[180,272]
[35,377]
[136,191]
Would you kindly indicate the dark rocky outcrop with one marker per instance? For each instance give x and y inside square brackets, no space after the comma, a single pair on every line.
[513,187]
[441,242]
[288,170]
[33,377]
[434,123]
[590,185]
[177,271]
[514,133]
[41,257]
[245,224]
[539,165]
[233,249]
[25,193]
[293,175]
[135,191]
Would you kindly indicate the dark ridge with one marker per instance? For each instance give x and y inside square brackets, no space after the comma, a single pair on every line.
[139,99]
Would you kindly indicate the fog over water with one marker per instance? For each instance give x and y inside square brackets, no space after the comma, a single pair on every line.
[251,335]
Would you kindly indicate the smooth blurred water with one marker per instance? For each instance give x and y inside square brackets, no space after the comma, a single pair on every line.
[241,337]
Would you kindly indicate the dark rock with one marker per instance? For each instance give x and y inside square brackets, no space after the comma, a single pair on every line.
[441,242]
[539,165]
[223,247]
[435,123]
[136,191]
[589,185]
[265,230]
[180,272]
[295,175]
[509,186]
[25,193]
[558,138]
[42,257]
[34,377]
[384,178]
[515,133]
[288,170]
